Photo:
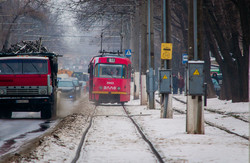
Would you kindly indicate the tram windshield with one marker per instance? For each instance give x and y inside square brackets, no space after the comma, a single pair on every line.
[110,71]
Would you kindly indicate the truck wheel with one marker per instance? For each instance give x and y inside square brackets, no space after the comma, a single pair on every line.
[46,112]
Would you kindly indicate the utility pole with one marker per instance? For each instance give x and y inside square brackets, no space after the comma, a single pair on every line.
[101,40]
[195,71]
[144,58]
[121,34]
[150,45]
[165,74]
[135,48]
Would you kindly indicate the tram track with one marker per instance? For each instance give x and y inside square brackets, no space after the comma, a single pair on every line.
[213,124]
[78,151]
[143,136]
[217,112]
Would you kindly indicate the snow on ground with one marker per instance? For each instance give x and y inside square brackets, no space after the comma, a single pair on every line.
[114,139]
[168,136]
[178,146]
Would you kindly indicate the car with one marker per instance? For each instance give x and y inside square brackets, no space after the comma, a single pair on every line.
[83,84]
[67,88]
[216,86]
[77,85]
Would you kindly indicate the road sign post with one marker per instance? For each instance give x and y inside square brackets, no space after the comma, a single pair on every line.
[166,54]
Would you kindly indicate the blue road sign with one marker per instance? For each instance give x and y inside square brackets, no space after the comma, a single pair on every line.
[184,58]
[128,52]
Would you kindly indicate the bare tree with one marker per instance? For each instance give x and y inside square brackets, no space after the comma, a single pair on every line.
[227,33]
[225,30]
[25,20]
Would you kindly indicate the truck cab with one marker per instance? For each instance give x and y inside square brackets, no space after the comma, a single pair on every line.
[28,82]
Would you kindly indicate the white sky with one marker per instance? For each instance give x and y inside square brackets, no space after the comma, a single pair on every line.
[78,40]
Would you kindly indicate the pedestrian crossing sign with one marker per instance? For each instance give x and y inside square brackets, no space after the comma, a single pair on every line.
[128,52]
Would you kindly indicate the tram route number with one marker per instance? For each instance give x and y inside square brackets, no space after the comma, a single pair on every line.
[111,60]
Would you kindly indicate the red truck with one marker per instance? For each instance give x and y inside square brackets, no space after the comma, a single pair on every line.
[28,83]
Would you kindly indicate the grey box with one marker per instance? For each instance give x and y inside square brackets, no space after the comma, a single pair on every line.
[165,80]
[195,78]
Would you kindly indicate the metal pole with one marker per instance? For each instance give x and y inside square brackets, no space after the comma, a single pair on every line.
[205,95]
[150,77]
[101,40]
[195,30]
[121,43]
[164,22]
[149,36]
[121,32]
[164,28]
[165,95]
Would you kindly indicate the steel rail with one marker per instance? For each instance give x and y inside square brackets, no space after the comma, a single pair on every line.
[213,124]
[215,111]
[156,153]
[78,152]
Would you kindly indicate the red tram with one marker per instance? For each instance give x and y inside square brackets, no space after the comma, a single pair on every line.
[109,79]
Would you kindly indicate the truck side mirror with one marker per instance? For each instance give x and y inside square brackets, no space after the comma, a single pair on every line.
[55,67]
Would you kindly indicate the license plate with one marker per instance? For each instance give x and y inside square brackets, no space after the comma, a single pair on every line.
[22,101]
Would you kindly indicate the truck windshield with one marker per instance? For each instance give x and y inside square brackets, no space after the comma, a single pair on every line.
[110,71]
[21,66]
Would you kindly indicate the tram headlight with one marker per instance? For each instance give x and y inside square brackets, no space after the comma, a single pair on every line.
[2,91]
[100,87]
[118,88]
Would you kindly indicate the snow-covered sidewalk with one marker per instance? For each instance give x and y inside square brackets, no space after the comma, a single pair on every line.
[172,141]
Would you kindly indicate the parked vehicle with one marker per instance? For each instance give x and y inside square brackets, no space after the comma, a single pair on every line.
[28,82]
[78,86]
[81,76]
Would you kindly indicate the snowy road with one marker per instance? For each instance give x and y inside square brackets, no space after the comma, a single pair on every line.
[24,126]
[21,128]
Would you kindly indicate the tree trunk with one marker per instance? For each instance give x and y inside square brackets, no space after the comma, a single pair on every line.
[244,10]
[210,87]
